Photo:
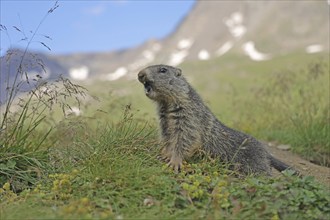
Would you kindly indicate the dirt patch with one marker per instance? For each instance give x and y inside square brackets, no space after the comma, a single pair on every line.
[322,174]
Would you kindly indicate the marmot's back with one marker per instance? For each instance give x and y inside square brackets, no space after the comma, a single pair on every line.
[187,125]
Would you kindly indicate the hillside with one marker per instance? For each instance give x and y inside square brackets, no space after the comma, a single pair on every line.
[259,29]
[33,68]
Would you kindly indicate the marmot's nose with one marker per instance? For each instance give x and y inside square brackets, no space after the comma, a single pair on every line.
[142,76]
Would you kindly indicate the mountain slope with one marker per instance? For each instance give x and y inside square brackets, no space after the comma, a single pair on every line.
[29,68]
[260,29]
[275,27]
[214,28]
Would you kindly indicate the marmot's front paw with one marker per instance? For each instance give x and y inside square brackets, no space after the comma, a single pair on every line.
[163,158]
[175,163]
[165,155]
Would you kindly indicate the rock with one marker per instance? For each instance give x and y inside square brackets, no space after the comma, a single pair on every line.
[284,147]
[148,202]
[270,144]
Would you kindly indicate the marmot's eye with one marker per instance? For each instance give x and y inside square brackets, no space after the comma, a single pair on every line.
[163,70]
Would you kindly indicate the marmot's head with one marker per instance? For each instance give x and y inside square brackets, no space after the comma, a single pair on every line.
[163,83]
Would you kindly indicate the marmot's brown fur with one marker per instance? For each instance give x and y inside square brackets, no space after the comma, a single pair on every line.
[187,125]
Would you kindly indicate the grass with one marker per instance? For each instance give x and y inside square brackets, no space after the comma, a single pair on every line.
[302,111]
[24,144]
[115,174]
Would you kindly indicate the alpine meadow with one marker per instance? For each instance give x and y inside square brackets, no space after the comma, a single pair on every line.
[88,149]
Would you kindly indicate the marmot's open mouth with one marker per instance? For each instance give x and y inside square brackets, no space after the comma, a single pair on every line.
[147,87]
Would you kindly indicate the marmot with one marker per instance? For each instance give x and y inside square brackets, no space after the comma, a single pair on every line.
[187,125]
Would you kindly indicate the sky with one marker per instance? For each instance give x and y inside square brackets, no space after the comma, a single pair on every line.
[87,26]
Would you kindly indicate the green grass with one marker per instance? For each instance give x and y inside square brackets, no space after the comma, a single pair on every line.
[115,173]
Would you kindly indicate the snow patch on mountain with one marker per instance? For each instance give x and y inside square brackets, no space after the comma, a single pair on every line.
[147,56]
[156,47]
[182,50]
[203,55]
[251,51]
[73,111]
[185,44]
[119,72]
[224,48]
[315,48]
[235,24]
[177,57]
[80,73]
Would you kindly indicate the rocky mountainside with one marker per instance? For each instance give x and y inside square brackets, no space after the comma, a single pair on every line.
[258,29]
[273,27]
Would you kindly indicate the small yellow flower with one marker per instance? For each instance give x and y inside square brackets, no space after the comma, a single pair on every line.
[69,209]
[6,186]
[105,214]
[75,172]
[194,195]
[185,186]
[84,201]
[41,194]
[196,183]
[82,210]
[226,194]
[222,183]
[56,182]
[193,188]
[208,179]
[275,217]
[65,184]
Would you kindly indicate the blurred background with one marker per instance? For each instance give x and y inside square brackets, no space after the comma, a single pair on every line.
[108,40]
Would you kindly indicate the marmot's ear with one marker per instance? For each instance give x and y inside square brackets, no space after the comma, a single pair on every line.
[178,72]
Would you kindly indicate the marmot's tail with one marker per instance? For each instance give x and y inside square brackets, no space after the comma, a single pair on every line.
[280,166]
[277,164]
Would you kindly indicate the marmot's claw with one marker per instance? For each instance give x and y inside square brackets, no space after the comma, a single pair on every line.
[175,165]
[163,158]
